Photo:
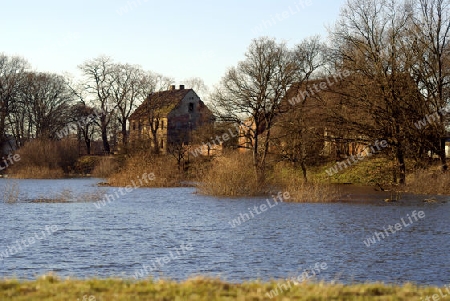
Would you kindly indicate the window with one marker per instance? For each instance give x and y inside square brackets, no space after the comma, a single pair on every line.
[134,126]
[191,106]
[162,144]
[162,124]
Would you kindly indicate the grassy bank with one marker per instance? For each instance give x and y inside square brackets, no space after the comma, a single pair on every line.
[50,288]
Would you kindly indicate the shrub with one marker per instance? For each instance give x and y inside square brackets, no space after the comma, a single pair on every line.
[163,167]
[37,172]
[230,175]
[291,179]
[41,158]
[431,181]
[105,166]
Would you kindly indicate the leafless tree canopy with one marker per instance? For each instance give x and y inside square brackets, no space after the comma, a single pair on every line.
[253,91]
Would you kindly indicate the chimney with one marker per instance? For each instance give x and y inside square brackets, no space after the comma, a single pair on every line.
[181,87]
[172,87]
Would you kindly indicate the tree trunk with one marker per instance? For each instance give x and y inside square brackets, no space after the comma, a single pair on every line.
[302,164]
[87,141]
[124,133]
[401,165]
[442,155]
[155,143]
[302,161]
[106,147]
[3,115]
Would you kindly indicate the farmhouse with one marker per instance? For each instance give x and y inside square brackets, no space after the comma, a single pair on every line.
[167,118]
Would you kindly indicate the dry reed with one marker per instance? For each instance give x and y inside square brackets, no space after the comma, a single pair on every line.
[230,175]
[428,182]
[164,168]
[11,192]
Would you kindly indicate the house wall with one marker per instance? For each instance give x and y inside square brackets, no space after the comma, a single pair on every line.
[186,117]
[179,123]
[141,130]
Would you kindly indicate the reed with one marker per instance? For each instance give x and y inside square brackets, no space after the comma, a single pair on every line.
[37,172]
[428,181]
[229,175]
[11,192]
[105,166]
[291,179]
[163,167]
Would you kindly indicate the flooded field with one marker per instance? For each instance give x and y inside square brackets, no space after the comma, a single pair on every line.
[175,233]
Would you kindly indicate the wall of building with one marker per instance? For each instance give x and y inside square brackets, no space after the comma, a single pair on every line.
[186,117]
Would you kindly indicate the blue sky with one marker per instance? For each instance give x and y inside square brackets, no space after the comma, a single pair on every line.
[177,38]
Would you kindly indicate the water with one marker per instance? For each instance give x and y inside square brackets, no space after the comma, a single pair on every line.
[146,225]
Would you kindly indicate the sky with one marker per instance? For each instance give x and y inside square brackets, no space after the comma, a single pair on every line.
[180,39]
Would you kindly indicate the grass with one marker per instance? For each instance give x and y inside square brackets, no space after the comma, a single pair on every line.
[105,166]
[11,192]
[367,172]
[291,179]
[51,288]
[428,181]
[233,175]
[45,159]
[37,172]
[229,175]
[163,168]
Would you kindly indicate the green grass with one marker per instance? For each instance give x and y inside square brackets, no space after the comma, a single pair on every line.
[366,172]
[52,288]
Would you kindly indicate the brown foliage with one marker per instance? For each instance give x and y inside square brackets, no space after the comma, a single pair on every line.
[41,158]
[163,167]
[230,175]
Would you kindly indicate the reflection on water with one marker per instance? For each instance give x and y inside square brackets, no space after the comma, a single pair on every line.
[143,226]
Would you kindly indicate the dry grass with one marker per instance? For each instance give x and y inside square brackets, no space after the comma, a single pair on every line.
[229,175]
[312,192]
[11,192]
[105,166]
[164,168]
[432,181]
[233,175]
[37,172]
[68,196]
[45,159]
[203,289]
[291,179]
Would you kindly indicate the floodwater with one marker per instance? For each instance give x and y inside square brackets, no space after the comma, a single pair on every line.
[177,234]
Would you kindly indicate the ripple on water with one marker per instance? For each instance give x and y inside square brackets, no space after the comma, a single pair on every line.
[143,226]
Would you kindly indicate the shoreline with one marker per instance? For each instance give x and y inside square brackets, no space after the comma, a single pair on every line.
[347,192]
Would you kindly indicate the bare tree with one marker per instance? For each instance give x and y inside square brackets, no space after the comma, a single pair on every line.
[254,90]
[197,84]
[48,101]
[372,43]
[152,110]
[130,86]
[83,117]
[98,82]
[11,82]
[302,126]
[430,33]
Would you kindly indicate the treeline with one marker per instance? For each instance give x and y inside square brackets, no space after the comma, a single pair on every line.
[383,75]
[39,105]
